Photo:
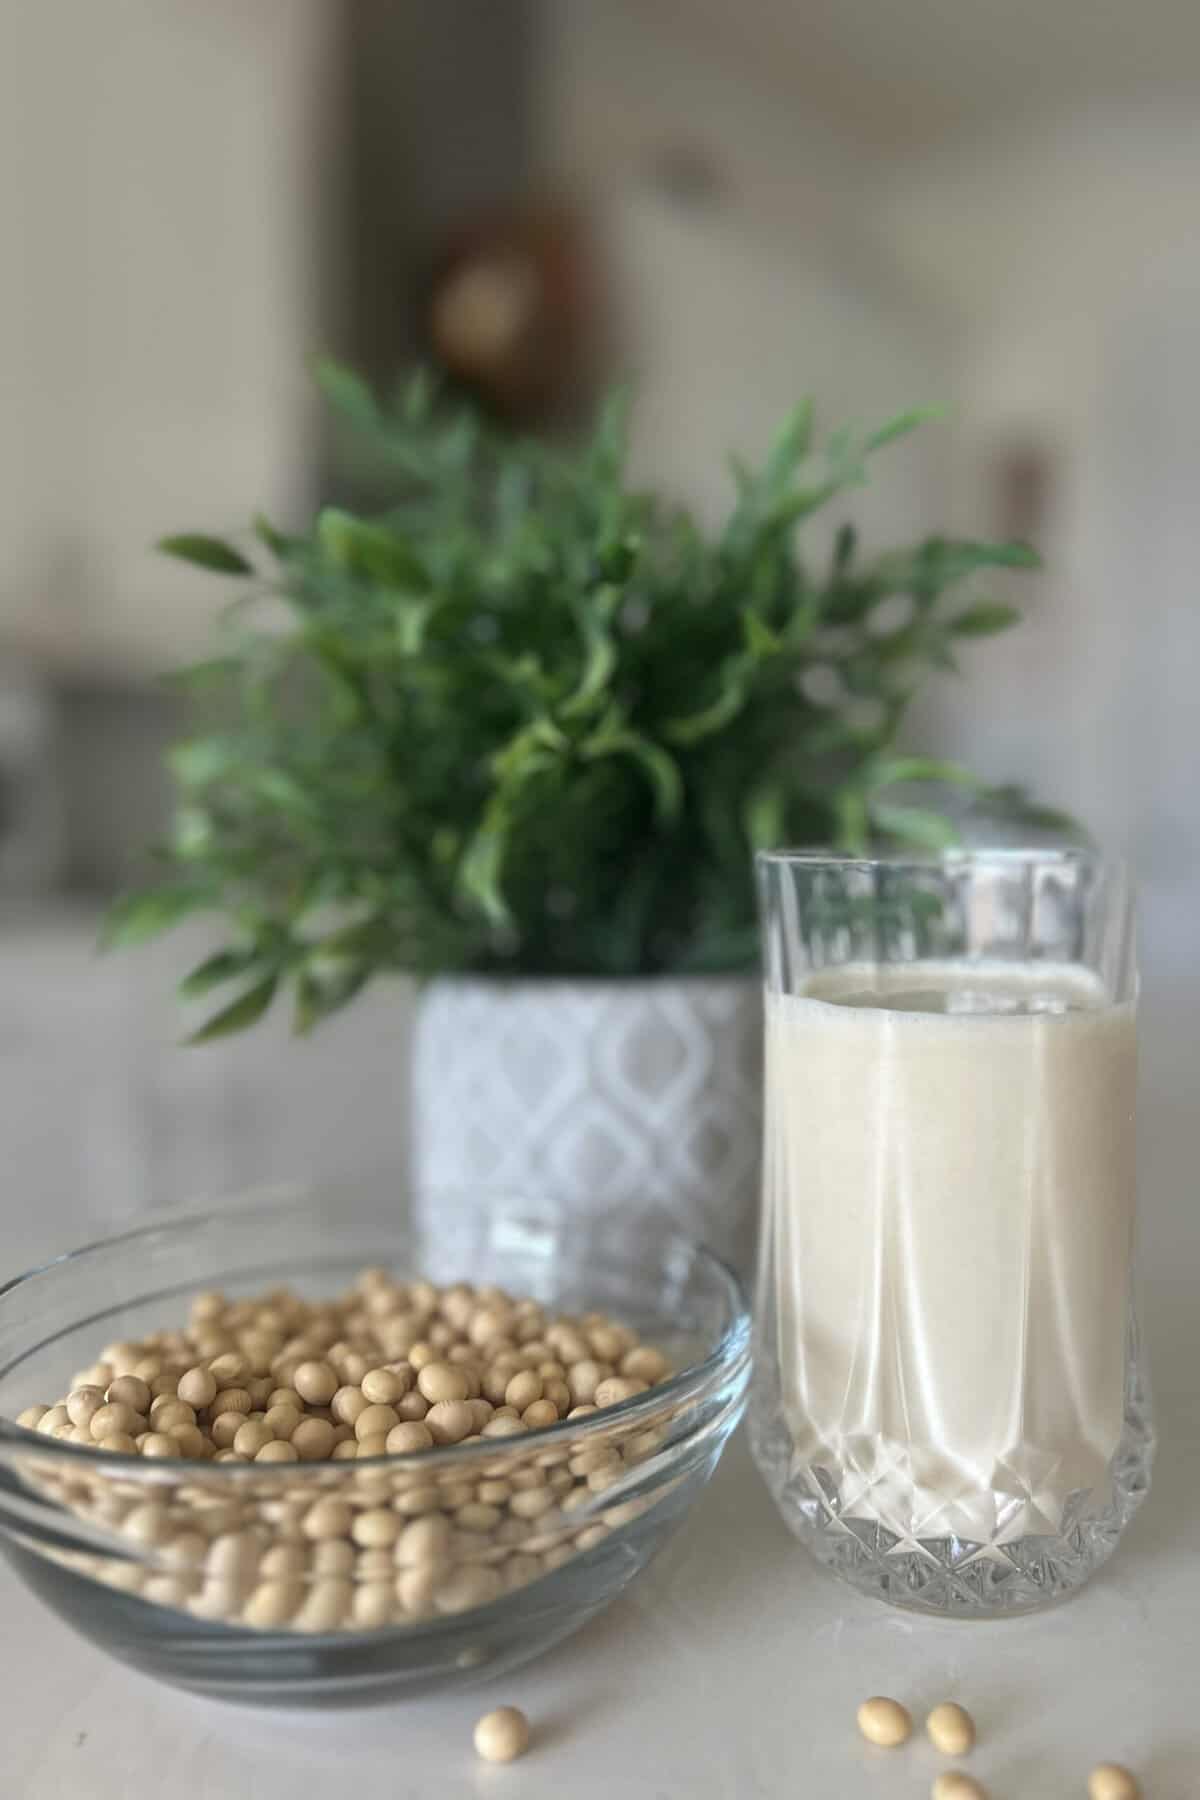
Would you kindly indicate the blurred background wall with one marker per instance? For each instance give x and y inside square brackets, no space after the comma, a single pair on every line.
[166,209]
[992,208]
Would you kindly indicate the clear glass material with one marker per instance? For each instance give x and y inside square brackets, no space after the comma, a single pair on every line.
[72,1518]
[950,1403]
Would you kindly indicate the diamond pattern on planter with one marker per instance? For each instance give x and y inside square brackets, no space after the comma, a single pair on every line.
[653,1057]
[638,1098]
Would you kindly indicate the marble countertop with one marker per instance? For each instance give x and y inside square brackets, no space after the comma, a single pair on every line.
[730,1670]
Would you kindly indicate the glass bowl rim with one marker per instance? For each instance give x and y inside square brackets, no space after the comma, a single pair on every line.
[729,1354]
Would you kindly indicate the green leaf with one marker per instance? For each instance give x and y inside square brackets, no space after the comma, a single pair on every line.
[741,474]
[600,659]
[197,761]
[916,825]
[412,618]
[764,815]
[761,641]
[889,771]
[223,966]
[277,542]
[792,444]
[735,676]
[372,937]
[523,674]
[939,563]
[417,397]
[307,1006]
[852,821]
[713,718]
[281,789]
[848,601]
[192,833]
[532,750]
[661,769]
[983,620]
[134,918]
[846,460]
[1004,556]
[204,552]
[345,391]
[662,772]
[901,425]
[246,1010]
[617,557]
[800,505]
[606,453]
[370,550]
[830,737]
[955,557]
[347,685]
[482,864]
[321,991]
[197,677]
[1012,803]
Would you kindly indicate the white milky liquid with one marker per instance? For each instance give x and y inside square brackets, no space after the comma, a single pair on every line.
[949,1210]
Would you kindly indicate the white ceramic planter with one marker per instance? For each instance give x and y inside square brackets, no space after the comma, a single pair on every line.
[639,1101]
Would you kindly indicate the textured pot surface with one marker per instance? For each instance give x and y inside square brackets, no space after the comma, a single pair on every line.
[628,1099]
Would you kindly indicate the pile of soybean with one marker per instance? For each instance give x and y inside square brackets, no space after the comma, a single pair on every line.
[390,1369]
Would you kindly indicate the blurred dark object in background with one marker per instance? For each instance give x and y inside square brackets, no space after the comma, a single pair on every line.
[439,120]
[514,314]
[1022,476]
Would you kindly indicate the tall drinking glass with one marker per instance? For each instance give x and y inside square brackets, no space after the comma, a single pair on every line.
[950,1403]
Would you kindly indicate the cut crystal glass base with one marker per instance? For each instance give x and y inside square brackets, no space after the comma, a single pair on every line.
[951,1576]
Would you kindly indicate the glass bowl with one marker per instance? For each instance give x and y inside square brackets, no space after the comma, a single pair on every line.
[617,1481]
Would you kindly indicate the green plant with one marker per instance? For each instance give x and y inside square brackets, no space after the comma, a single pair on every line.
[529,720]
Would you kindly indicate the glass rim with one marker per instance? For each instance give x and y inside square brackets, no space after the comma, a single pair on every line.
[1016,855]
[727,1355]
